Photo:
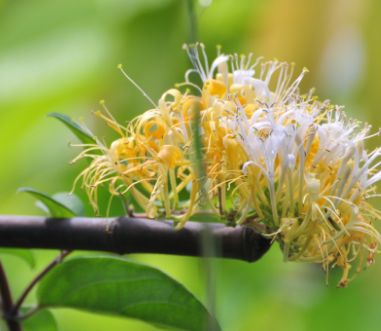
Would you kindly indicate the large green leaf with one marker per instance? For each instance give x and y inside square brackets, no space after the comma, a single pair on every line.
[42,321]
[23,254]
[54,207]
[114,285]
[84,135]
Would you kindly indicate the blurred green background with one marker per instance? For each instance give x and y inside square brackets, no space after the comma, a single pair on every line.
[61,56]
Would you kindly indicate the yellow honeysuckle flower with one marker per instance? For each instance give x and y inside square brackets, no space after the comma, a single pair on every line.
[273,157]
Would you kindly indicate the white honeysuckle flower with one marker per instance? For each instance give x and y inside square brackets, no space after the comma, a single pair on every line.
[242,77]
[280,161]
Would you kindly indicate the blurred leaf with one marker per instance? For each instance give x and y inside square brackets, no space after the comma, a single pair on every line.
[113,285]
[71,201]
[80,132]
[3,325]
[23,254]
[54,207]
[43,320]
[205,217]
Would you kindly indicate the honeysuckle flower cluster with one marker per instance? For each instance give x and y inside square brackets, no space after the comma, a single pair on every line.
[293,167]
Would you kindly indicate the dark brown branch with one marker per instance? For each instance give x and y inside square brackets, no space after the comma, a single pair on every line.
[6,302]
[130,235]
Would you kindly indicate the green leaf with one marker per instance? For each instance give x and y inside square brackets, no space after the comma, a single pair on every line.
[71,201]
[114,285]
[3,324]
[42,320]
[54,207]
[83,134]
[205,217]
[23,254]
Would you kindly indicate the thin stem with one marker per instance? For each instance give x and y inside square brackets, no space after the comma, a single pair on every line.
[126,201]
[199,157]
[172,178]
[220,203]
[7,304]
[192,21]
[28,314]
[36,279]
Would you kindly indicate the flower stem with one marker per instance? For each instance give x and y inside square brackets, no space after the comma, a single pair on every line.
[192,21]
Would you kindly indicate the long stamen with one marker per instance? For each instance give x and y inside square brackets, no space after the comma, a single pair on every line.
[120,67]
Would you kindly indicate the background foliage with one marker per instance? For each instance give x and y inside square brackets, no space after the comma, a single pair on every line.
[61,56]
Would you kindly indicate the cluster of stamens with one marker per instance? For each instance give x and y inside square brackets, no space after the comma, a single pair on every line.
[287,164]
